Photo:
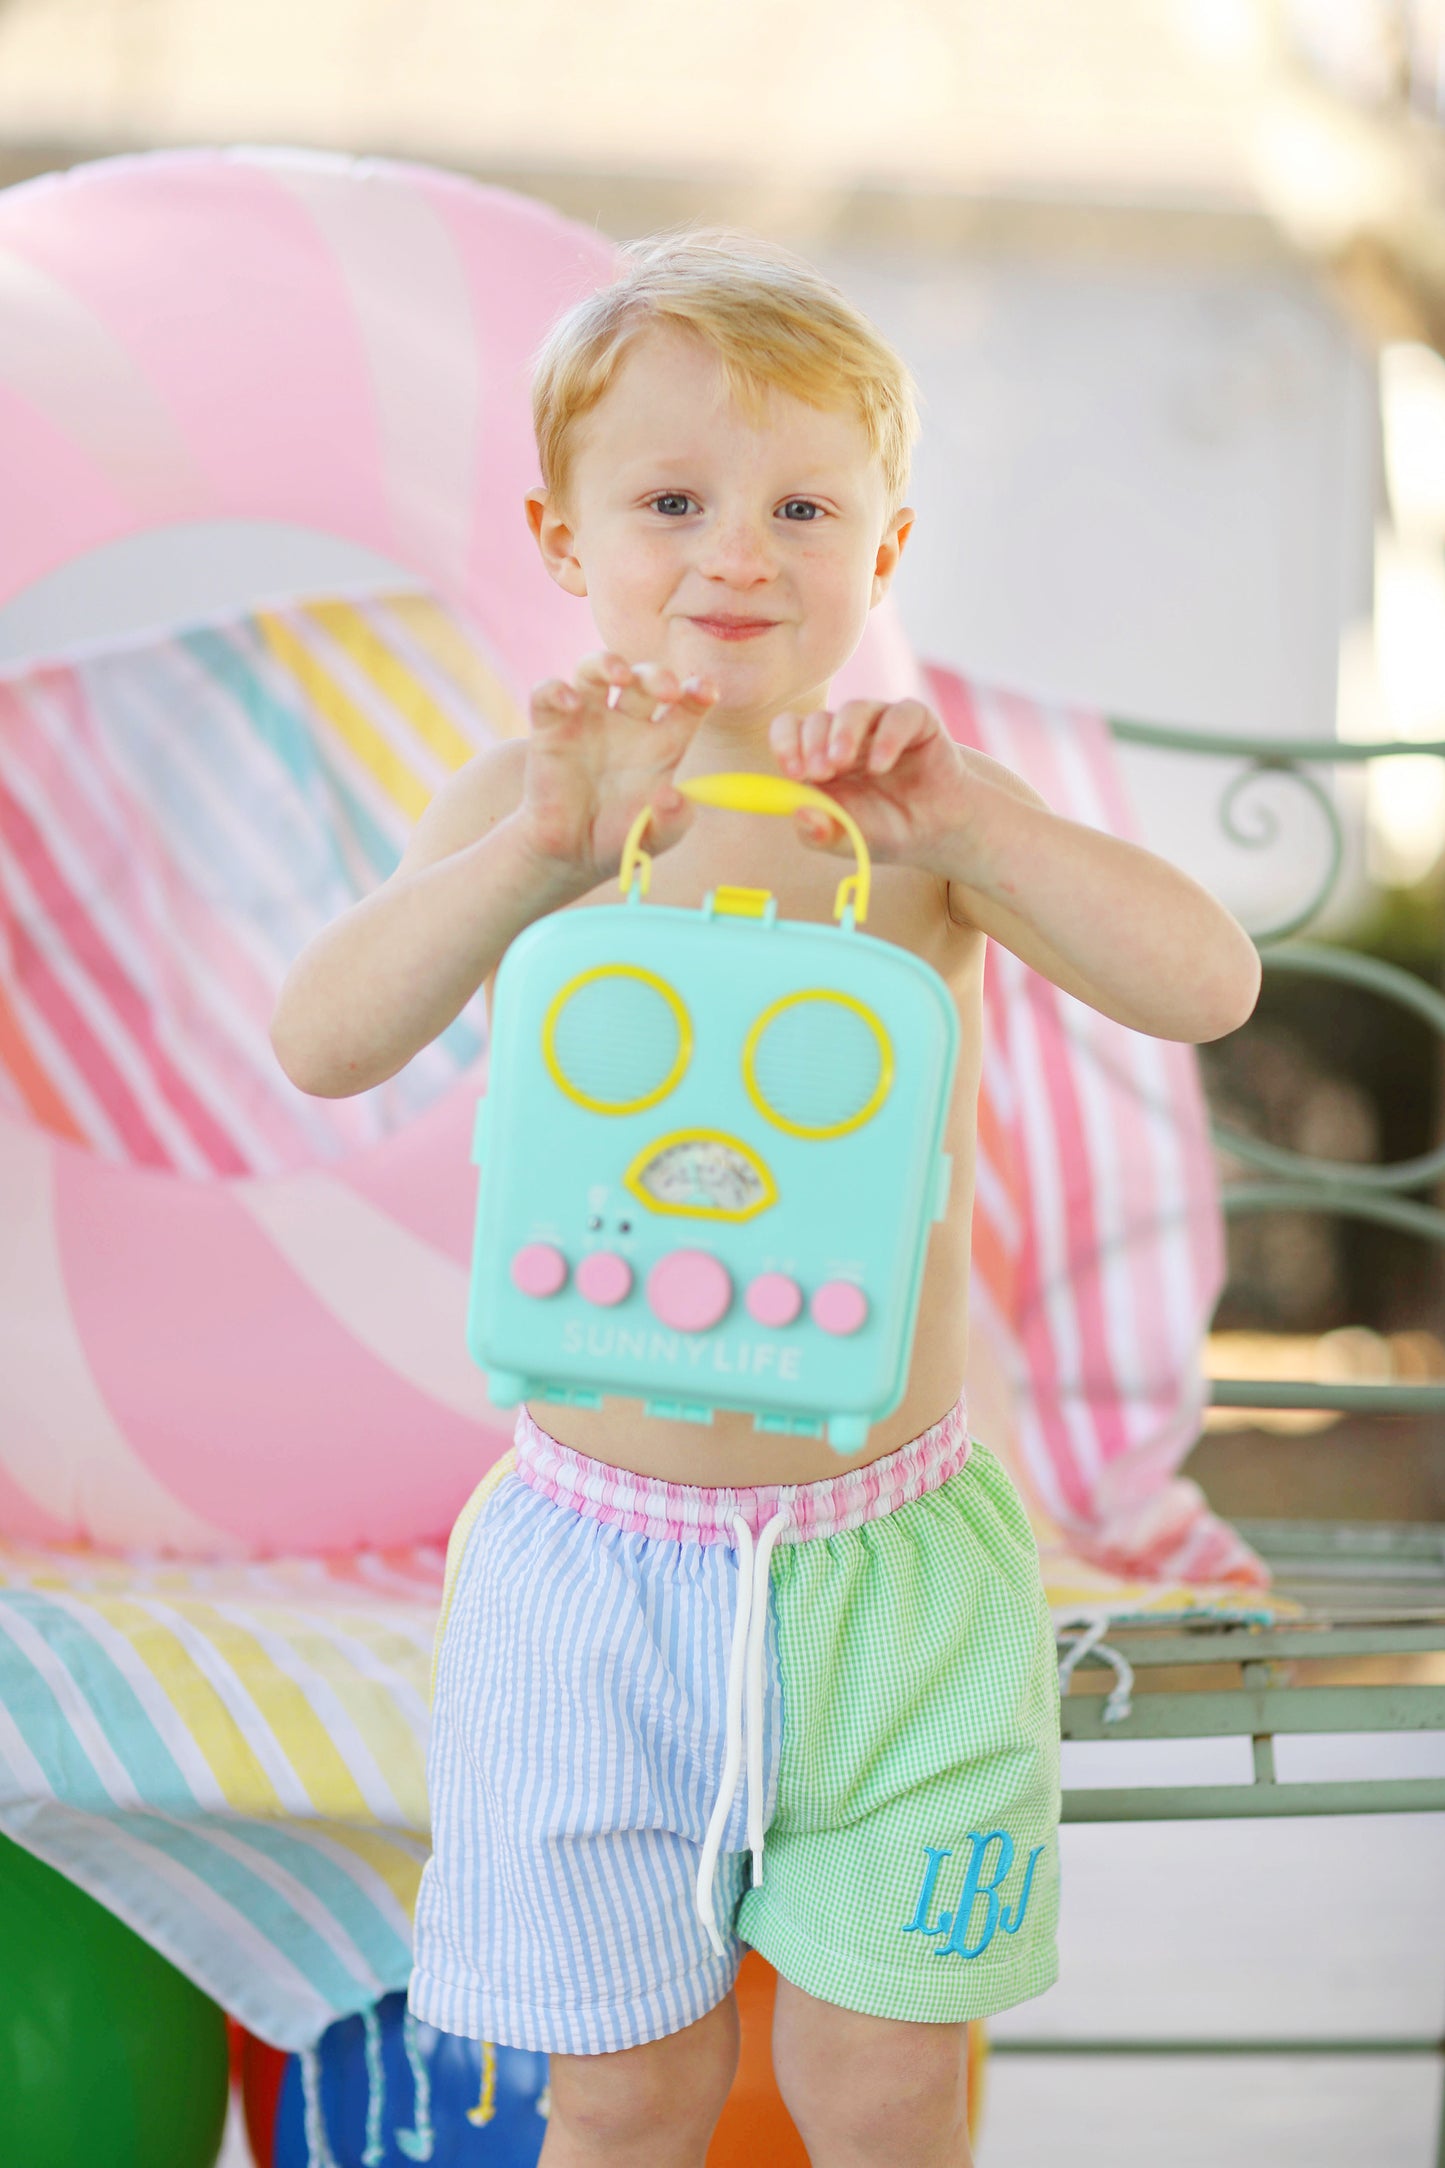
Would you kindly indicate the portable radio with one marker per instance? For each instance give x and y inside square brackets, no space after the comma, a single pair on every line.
[710,1151]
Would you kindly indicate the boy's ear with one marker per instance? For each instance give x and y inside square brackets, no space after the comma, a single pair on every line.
[555,542]
[890,549]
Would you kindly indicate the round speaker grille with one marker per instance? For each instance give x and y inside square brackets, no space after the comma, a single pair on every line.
[818,1064]
[617,1039]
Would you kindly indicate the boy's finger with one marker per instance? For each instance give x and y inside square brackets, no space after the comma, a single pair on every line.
[784,737]
[817,829]
[905,723]
[627,699]
[657,679]
[604,668]
[634,701]
[554,698]
[676,723]
[673,696]
[603,673]
[813,742]
[851,726]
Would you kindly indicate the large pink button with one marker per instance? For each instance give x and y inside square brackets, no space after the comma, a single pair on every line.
[774,1299]
[839,1307]
[538,1269]
[688,1290]
[604,1278]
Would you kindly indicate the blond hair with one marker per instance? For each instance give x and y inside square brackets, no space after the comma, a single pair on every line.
[771,320]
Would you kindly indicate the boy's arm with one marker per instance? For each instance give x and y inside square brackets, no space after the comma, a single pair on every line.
[1108,921]
[390,974]
[521,830]
[1103,919]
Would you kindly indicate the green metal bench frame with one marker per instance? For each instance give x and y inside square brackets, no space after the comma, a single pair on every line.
[1385,1585]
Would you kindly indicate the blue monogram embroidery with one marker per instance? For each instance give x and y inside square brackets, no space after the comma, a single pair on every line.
[954,1926]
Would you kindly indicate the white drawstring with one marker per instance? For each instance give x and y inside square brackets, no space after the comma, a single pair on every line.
[1119,1705]
[745,1679]
[757,1639]
[733,1753]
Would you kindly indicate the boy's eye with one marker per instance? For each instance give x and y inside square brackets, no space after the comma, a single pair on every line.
[672,502]
[802,508]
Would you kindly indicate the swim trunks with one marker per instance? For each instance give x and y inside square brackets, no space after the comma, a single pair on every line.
[820,1719]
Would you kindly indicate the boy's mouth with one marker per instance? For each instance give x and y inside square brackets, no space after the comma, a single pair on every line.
[734,628]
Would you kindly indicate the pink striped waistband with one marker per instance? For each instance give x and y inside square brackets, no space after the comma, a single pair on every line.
[694,1513]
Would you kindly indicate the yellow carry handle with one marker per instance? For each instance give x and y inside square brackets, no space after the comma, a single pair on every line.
[743,793]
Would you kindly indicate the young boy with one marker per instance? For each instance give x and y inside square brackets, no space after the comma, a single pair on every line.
[724,447]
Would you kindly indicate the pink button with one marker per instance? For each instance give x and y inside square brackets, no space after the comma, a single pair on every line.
[839,1307]
[538,1269]
[774,1299]
[604,1278]
[688,1290]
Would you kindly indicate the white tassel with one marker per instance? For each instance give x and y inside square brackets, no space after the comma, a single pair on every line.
[420,2143]
[375,2091]
[318,2152]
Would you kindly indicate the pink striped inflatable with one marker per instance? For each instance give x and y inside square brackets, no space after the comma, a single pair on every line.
[210,1365]
[236,1329]
[282,336]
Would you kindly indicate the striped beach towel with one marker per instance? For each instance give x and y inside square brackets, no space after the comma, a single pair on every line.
[176,821]
[1098,1243]
[233,1759]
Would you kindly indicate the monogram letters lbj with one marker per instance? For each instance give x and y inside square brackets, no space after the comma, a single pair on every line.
[954,1926]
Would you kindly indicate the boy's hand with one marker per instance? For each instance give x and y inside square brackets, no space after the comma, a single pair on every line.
[895,769]
[1104,919]
[601,748]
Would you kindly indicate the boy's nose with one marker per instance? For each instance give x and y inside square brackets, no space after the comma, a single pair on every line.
[738,552]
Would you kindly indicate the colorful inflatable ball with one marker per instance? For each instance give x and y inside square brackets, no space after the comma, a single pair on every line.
[107,2053]
[381,2091]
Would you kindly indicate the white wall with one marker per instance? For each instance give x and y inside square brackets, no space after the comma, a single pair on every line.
[1147,489]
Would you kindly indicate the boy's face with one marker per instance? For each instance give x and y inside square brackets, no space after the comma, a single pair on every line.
[748,550]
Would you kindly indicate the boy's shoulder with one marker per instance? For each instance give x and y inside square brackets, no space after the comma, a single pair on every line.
[481,793]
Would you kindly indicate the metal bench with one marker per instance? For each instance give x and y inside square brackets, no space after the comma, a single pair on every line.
[1364,1590]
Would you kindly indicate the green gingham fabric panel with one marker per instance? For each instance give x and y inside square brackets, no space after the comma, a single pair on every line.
[912,1861]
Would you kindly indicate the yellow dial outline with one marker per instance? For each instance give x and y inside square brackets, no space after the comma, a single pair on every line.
[833,1129]
[632,1179]
[622,1106]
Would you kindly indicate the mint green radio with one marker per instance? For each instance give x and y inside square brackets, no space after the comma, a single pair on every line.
[710,1152]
